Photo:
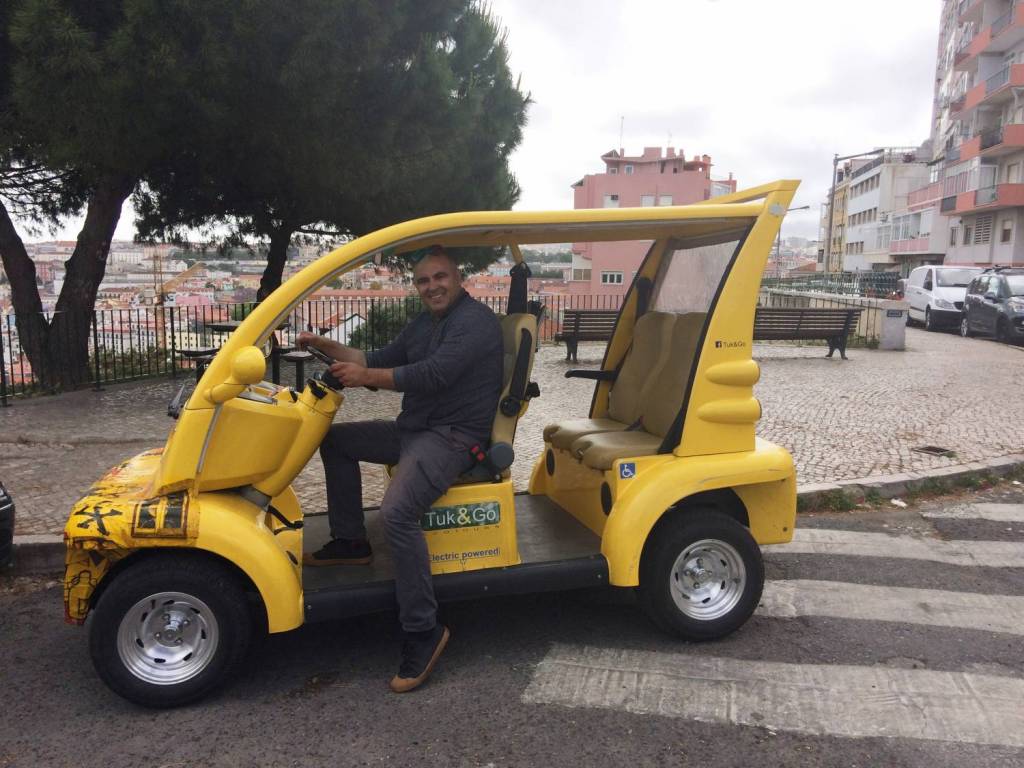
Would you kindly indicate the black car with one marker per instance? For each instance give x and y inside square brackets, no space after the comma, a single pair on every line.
[995,304]
[6,526]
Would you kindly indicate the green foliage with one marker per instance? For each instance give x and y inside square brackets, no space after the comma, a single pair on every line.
[384,321]
[340,116]
[241,311]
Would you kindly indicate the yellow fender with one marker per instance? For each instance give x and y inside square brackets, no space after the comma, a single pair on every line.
[233,529]
[764,479]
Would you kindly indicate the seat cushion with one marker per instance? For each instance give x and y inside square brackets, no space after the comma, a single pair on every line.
[563,434]
[600,450]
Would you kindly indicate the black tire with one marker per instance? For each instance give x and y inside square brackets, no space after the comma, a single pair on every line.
[1002,335]
[207,619]
[929,324]
[723,594]
[965,327]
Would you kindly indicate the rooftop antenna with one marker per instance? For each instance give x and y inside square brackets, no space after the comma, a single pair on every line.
[622,124]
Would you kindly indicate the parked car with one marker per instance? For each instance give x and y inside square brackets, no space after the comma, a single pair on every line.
[6,526]
[936,294]
[995,304]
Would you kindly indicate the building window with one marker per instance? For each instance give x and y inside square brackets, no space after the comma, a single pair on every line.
[983,230]
[1013,173]
[967,234]
[611,201]
[953,231]
[646,201]
[1006,234]
[629,170]
[611,278]
[665,200]
[613,170]
[581,274]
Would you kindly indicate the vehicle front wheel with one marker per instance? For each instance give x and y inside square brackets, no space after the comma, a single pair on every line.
[929,324]
[169,630]
[702,576]
[965,327]
[1002,333]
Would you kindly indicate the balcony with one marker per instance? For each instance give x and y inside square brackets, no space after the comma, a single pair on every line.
[1007,31]
[990,198]
[993,142]
[913,245]
[966,57]
[995,89]
[970,10]
[948,204]
[924,197]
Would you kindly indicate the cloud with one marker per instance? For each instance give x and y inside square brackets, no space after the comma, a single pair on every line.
[769,90]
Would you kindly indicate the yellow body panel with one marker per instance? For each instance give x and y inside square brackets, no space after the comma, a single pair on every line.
[766,473]
[118,518]
[472,527]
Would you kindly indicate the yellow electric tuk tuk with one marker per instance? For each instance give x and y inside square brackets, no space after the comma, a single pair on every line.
[178,553]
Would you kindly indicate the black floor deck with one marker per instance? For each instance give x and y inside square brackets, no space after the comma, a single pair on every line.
[546,533]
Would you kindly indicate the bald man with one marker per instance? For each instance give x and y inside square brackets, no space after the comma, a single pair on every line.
[448,364]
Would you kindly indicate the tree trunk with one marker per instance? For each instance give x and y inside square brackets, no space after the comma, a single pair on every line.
[68,347]
[280,238]
[33,330]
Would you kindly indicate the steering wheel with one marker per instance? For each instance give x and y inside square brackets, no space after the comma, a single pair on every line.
[325,377]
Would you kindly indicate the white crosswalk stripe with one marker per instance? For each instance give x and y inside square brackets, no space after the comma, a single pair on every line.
[819,541]
[934,607]
[828,699]
[1003,513]
[805,698]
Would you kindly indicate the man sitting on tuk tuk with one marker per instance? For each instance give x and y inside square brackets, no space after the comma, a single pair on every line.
[448,364]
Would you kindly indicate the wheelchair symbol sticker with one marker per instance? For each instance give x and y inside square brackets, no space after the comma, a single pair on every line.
[627,470]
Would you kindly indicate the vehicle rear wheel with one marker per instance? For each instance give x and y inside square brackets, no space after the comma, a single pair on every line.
[965,327]
[702,576]
[169,630]
[1002,332]
[929,324]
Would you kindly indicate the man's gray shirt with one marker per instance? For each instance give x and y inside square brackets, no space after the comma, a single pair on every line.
[450,369]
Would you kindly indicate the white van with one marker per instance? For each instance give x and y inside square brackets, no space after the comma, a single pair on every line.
[936,294]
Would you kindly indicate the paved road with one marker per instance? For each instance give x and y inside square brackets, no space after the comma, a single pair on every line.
[840,419]
[886,638]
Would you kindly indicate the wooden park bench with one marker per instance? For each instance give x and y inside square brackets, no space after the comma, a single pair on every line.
[832,325]
[585,325]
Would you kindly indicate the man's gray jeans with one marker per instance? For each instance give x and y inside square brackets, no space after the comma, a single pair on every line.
[428,462]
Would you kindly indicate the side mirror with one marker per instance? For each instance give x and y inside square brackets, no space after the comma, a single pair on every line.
[247,367]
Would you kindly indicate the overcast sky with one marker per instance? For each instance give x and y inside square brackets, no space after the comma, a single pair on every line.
[769,89]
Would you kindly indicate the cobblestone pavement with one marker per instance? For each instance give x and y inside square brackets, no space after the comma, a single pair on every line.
[841,420]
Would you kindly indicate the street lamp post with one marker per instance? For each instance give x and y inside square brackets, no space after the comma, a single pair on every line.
[778,242]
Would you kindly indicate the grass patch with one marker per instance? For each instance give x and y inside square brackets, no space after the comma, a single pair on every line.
[830,501]
[872,497]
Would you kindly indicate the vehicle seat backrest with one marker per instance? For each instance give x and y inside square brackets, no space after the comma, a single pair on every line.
[662,395]
[650,334]
[517,330]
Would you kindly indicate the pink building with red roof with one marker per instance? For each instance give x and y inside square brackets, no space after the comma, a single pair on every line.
[656,177]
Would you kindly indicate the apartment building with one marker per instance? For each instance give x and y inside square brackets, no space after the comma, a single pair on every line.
[978,133]
[655,177]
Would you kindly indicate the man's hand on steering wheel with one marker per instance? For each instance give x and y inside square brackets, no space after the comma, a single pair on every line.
[351,374]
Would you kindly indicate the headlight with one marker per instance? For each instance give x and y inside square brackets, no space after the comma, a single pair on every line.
[1016,303]
[943,304]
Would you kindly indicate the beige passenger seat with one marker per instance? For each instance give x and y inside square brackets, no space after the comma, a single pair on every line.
[659,400]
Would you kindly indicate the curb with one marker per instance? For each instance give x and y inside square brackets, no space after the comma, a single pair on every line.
[43,554]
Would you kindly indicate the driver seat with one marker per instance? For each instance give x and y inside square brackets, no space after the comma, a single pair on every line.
[518,331]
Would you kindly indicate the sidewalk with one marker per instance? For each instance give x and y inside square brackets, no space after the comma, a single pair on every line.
[841,420]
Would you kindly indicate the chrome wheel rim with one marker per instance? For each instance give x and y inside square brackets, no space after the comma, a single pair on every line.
[167,638]
[964,328]
[708,579]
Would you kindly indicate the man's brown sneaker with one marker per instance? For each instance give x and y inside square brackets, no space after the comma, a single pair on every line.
[420,652]
[341,552]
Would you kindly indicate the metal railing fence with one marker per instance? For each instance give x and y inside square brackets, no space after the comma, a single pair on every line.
[143,342]
[867,284]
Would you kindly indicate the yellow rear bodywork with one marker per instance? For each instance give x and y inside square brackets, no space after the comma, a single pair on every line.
[237,435]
